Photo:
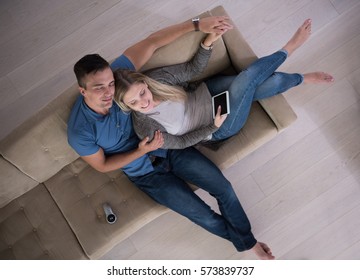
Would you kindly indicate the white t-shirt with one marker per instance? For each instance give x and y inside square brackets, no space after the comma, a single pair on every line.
[179,118]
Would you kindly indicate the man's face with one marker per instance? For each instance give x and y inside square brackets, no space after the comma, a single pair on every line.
[99,91]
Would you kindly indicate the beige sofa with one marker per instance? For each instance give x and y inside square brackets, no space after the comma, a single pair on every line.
[51,200]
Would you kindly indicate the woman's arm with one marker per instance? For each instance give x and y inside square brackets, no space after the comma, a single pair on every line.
[188,139]
[146,127]
[184,72]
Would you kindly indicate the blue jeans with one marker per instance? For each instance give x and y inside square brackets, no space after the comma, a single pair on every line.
[257,82]
[167,185]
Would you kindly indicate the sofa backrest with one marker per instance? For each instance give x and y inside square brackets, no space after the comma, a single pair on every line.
[13,182]
[37,149]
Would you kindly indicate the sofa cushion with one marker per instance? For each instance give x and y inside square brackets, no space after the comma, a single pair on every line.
[11,177]
[80,192]
[39,147]
[258,130]
[32,227]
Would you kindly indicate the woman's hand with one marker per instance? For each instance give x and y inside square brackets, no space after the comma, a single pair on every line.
[219,119]
[212,37]
[156,143]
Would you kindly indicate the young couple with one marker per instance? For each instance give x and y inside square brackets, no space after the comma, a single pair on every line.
[185,118]
[103,135]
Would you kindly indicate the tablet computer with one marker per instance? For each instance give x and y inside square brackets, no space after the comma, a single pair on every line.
[221,99]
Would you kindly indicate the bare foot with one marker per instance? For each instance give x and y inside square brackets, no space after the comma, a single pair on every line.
[300,36]
[318,78]
[262,251]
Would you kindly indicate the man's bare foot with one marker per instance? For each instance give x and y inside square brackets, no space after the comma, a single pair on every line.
[300,36]
[318,78]
[262,251]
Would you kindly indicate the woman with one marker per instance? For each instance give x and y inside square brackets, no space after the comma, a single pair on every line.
[163,101]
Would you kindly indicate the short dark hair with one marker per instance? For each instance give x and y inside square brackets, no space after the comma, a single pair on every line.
[90,63]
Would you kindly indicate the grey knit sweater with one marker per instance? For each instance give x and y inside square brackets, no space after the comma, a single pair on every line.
[198,103]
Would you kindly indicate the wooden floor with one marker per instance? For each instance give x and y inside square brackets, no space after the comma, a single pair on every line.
[301,191]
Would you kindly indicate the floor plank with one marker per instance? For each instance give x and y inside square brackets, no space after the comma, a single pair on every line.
[312,148]
[319,213]
[308,185]
[329,241]
[321,12]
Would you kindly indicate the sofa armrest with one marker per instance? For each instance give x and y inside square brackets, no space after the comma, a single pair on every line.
[279,111]
[239,51]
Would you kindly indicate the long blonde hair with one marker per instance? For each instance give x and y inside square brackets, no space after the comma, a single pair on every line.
[161,92]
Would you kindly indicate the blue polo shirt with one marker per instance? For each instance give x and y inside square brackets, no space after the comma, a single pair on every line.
[114,133]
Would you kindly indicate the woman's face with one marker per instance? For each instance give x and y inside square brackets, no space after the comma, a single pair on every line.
[139,98]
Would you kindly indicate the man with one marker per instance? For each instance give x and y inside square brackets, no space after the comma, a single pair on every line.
[104,137]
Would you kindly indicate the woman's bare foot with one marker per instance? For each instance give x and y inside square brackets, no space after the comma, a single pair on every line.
[318,78]
[262,251]
[300,36]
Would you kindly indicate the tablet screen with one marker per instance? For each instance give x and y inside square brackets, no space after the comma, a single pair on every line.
[221,100]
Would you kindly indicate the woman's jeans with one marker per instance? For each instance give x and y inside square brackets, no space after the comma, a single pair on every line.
[167,185]
[257,82]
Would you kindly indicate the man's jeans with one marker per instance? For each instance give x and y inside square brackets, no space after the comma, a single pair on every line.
[167,185]
[257,82]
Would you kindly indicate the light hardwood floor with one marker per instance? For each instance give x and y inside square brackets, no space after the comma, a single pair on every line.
[301,190]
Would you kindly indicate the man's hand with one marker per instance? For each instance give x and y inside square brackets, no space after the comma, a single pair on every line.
[214,24]
[156,143]
[219,119]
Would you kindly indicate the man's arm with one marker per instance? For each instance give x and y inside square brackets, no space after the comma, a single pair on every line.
[103,163]
[141,52]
